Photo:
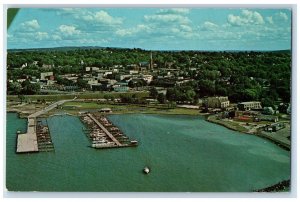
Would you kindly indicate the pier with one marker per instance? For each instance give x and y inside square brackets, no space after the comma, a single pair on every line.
[105,130]
[29,142]
[103,134]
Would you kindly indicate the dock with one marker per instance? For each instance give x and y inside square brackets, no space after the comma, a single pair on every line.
[29,141]
[105,130]
[103,134]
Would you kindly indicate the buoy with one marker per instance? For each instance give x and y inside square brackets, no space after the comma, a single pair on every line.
[146,170]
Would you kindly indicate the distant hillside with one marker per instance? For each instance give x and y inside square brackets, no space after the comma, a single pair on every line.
[70,48]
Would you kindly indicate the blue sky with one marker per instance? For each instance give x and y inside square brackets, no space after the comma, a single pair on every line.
[152,28]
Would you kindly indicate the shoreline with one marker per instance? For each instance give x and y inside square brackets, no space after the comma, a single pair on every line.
[210,118]
[283,186]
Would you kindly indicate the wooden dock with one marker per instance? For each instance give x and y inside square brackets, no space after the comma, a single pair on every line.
[103,134]
[105,130]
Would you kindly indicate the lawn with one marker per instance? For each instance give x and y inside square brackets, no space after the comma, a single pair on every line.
[129,108]
[85,95]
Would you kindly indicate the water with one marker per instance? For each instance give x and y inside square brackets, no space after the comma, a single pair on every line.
[184,153]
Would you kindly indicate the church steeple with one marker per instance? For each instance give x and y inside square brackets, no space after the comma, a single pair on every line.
[151,61]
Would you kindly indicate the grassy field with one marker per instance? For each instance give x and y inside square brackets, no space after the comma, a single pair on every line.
[127,108]
[231,125]
[86,95]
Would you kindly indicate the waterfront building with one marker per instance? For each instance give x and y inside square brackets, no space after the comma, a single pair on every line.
[244,106]
[216,102]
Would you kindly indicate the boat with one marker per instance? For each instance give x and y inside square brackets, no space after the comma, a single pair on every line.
[146,170]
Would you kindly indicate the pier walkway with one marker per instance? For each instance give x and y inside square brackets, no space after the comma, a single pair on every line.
[105,130]
[27,142]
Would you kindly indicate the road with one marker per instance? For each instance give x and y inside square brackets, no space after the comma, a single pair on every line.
[50,107]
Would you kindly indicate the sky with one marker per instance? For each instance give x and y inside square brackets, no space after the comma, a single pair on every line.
[213,29]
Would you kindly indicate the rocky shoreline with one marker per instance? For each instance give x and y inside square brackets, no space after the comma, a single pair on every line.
[281,186]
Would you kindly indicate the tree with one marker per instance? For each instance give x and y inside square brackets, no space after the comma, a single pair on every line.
[14,88]
[21,97]
[153,92]
[267,102]
[161,98]
[30,88]
[82,83]
[108,97]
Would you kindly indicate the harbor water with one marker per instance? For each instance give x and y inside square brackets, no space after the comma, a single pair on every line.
[184,154]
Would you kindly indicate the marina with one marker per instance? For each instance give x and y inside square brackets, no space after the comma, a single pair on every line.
[44,140]
[37,137]
[103,134]
[168,146]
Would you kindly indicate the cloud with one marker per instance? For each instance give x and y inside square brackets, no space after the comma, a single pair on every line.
[102,17]
[68,30]
[167,18]
[183,11]
[270,19]
[31,25]
[281,17]
[246,18]
[165,23]
[41,35]
[209,26]
[141,28]
[56,37]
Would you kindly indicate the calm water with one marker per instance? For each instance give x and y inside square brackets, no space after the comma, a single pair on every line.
[185,154]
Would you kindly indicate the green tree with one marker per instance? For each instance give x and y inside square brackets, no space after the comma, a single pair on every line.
[21,97]
[161,98]
[153,92]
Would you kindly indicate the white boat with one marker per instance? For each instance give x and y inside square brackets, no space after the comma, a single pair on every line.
[146,170]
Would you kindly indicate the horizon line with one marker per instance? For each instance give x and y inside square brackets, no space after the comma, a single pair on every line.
[115,47]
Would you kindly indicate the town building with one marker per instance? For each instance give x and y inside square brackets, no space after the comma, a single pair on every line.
[47,76]
[121,87]
[253,105]
[105,110]
[216,102]
[148,78]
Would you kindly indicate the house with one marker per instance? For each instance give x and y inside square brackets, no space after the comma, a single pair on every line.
[70,77]
[107,73]
[244,106]
[121,87]
[148,78]
[70,88]
[105,110]
[274,127]
[45,66]
[92,82]
[47,76]
[216,102]
[124,76]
